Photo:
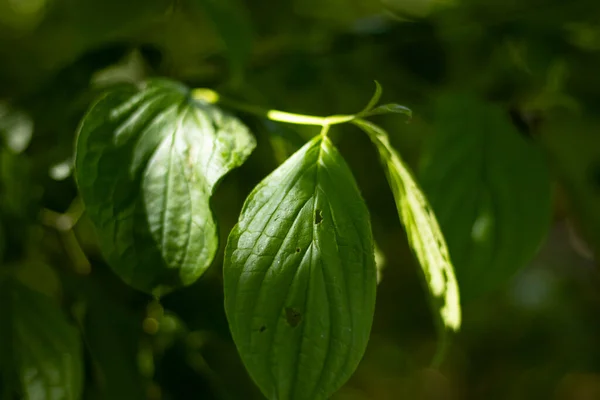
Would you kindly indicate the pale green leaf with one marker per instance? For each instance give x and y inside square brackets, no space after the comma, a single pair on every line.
[374,100]
[391,108]
[300,276]
[148,161]
[490,190]
[424,234]
[41,352]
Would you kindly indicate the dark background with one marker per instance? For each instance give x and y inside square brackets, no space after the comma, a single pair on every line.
[533,336]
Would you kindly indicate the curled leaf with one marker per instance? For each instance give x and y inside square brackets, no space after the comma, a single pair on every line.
[148,161]
[374,100]
[424,234]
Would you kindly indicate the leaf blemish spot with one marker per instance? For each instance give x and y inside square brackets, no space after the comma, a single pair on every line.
[293,317]
[262,329]
[297,249]
[318,216]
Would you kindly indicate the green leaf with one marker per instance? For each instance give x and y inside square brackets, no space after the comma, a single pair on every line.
[18,194]
[424,234]
[489,188]
[112,334]
[232,22]
[147,163]
[572,148]
[391,108]
[40,352]
[374,100]
[300,277]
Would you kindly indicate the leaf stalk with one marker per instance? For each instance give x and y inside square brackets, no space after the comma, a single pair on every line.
[212,97]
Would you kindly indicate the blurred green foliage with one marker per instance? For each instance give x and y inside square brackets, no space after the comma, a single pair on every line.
[531,334]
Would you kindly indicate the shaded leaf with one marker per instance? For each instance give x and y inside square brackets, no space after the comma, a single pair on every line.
[232,22]
[573,150]
[342,12]
[148,161]
[112,334]
[300,277]
[40,356]
[19,194]
[39,276]
[424,234]
[2,242]
[489,188]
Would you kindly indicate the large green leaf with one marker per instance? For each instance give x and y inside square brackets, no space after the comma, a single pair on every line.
[422,228]
[40,352]
[148,161]
[300,277]
[489,188]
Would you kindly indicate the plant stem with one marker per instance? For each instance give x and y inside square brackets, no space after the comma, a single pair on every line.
[212,97]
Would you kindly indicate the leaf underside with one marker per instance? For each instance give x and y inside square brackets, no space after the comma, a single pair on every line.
[424,235]
[148,160]
[300,277]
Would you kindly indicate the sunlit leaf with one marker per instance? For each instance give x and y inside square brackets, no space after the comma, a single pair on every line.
[148,161]
[40,351]
[490,190]
[422,228]
[300,276]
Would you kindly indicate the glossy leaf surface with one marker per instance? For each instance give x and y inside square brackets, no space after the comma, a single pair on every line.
[300,277]
[148,161]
